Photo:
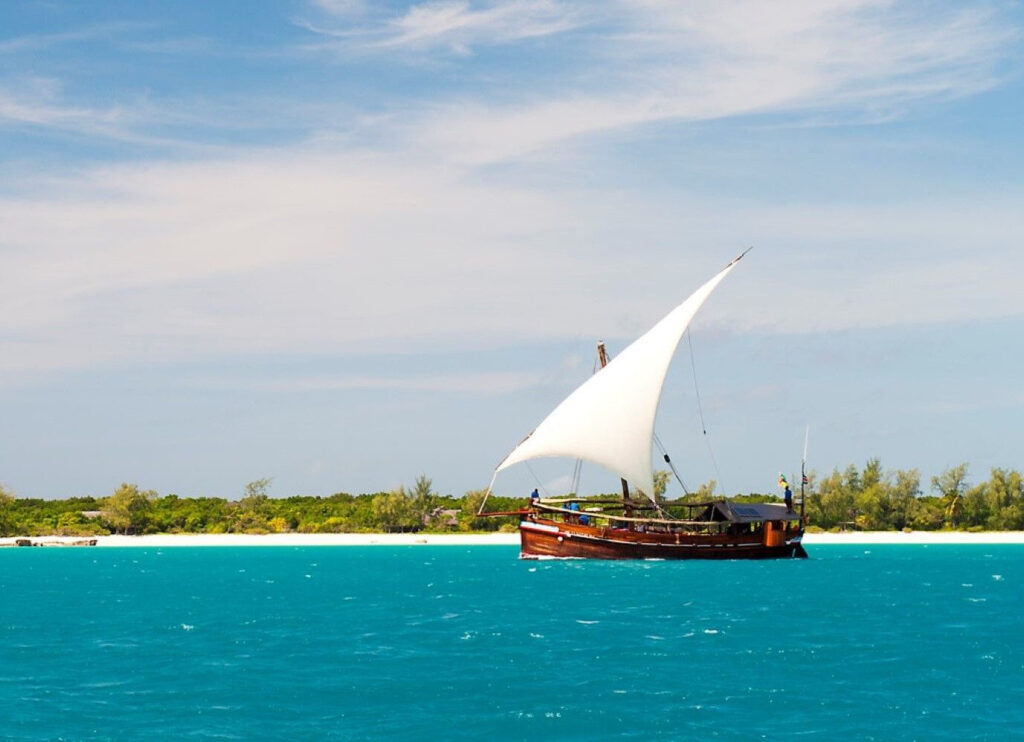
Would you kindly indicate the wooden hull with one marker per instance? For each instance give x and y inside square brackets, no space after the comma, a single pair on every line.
[544,538]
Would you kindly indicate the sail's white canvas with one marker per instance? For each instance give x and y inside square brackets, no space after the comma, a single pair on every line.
[609,420]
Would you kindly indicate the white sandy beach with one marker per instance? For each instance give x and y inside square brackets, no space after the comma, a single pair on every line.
[489,539]
[860,537]
[285,539]
[915,537]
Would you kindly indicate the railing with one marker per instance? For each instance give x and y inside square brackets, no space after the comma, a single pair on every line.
[597,514]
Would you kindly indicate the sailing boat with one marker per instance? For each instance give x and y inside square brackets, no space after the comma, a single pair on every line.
[609,421]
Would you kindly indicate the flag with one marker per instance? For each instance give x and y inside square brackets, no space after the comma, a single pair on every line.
[782,480]
[804,480]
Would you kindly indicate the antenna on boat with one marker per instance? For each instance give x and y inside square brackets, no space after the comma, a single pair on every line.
[803,472]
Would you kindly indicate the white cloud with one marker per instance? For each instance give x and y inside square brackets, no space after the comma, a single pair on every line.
[710,60]
[36,102]
[482,383]
[341,7]
[41,104]
[89,33]
[303,250]
[316,252]
[457,24]
[615,67]
[451,25]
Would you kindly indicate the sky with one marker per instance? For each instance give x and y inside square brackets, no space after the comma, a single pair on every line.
[344,244]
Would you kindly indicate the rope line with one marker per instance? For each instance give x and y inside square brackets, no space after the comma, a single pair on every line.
[672,466]
[536,479]
[700,411]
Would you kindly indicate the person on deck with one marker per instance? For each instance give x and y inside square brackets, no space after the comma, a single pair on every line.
[788,496]
[534,496]
[575,507]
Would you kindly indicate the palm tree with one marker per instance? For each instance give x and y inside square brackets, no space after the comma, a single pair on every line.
[951,485]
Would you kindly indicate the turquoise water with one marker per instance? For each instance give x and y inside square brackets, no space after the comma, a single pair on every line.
[413,643]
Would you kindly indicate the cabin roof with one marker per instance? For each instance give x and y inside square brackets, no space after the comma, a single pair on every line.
[754,512]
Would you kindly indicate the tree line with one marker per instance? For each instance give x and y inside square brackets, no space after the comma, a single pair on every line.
[877,500]
[134,511]
[868,498]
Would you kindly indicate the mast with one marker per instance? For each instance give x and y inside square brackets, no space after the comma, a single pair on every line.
[602,356]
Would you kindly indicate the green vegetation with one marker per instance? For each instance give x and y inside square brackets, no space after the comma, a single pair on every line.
[877,500]
[130,510]
[866,499]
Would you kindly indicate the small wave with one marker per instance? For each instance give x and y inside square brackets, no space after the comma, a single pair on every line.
[997,578]
[187,627]
[586,623]
[710,631]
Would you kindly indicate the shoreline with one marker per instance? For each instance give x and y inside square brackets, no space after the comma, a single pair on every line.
[478,539]
[914,537]
[162,540]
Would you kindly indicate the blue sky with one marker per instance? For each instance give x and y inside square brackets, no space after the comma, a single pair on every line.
[342,244]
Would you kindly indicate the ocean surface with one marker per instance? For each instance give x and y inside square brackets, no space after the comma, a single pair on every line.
[470,643]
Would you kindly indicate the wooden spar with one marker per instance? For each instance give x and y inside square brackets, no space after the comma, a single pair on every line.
[638,504]
[618,502]
[624,519]
[602,355]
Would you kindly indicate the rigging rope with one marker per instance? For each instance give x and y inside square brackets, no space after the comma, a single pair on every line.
[700,410]
[668,461]
[536,479]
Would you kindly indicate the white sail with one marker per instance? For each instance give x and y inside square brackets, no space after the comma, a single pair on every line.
[609,420]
